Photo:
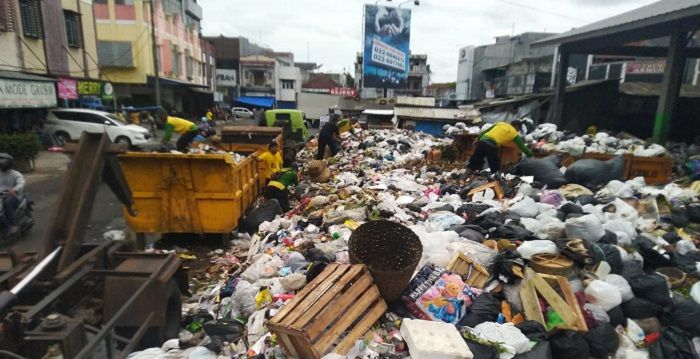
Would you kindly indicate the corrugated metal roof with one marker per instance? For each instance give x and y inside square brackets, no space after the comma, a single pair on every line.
[652,14]
[436,113]
[416,101]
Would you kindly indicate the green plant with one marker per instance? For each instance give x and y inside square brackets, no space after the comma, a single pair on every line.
[23,147]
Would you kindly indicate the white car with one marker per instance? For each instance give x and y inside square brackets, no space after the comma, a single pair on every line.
[69,124]
[241,112]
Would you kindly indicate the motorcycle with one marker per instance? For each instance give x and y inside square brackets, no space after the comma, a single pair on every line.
[23,218]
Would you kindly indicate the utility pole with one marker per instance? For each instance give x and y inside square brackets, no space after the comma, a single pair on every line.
[154,49]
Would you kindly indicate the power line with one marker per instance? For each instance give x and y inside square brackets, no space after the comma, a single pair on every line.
[543,10]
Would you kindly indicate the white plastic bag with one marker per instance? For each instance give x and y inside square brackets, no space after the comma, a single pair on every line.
[474,250]
[525,208]
[444,219]
[587,227]
[530,248]
[599,314]
[695,292]
[622,286]
[603,294]
[617,225]
[256,270]
[511,338]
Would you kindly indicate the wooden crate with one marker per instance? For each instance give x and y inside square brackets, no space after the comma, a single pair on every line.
[330,313]
[472,272]
[494,185]
[567,307]
[655,170]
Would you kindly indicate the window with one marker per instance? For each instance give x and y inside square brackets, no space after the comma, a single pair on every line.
[288,84]
[189,65]
[123,2]
[74,33]
[115,53]
[30,12]
[5,16]
[100,2]
[176,60]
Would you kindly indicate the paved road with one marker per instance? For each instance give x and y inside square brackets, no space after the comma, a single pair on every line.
[44,187]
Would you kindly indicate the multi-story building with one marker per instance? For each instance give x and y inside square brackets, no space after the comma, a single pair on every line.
[126,53]
[289,80]
[465,71]
[54,39]
[258,81]
[418,79]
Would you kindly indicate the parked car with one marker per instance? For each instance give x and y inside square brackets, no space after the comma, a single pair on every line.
[69,124]
[242,112]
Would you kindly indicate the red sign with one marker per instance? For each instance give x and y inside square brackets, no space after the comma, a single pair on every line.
[67,88]
[646,68]
[344,91]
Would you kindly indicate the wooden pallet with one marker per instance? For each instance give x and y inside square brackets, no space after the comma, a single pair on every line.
[567,307]
[473,273]
[495,186]
[330,313]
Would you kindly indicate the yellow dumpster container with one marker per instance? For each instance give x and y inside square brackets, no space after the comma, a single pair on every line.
[178,193]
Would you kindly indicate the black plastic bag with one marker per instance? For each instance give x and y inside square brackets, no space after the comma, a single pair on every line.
[612,256]
[265,212]
[608,238]
[652,287]
[617,316]
[480,351]
[631,269]
[569,207]
[678,217]
[671,237]
[602,340]
[683,313]
[502,266]
[585,199]
[472,210]
[569,345]
[674,343]
[594,173]
[638,308]
[514,232]
[693,212]
[652,258]
[484,309]
[542,350]
[533,330]
[545,170]
[683,262]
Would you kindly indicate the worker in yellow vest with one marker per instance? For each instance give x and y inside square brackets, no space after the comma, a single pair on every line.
[491,140]
[187,130]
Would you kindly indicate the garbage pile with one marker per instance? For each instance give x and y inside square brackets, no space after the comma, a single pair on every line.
[480,267]
[549,138]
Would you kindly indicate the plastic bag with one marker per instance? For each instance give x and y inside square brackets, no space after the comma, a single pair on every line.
[674,343]
[603,294]
[638,308]
[444,219]
[525,208]
[652,287]
[482,254]
[553,198]
[512,339]
[545,170]
[257,269]
[586,227]
[593,173]
[529,248]
[598,313]
[569,345]
[621,285]
[683,313]
[243,299]
[602,340]
[617,189]
[695,292]
[484,309]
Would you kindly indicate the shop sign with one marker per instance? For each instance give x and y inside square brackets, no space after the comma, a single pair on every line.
[343,91]
[27,94]
[67,88]
[226,78]
[89,88]
[645,68]
[107,91]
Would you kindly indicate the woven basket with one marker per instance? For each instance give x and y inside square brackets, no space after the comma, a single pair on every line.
[390,250]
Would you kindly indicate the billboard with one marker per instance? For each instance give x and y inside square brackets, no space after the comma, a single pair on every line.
[387,33]
[226,78]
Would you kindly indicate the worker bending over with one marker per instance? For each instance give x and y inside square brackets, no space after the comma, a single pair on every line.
[328,136]
[278,187]
[187,130]
[491,140]
[272,158]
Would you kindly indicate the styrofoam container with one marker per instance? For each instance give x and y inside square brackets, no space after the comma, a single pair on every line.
[434,340]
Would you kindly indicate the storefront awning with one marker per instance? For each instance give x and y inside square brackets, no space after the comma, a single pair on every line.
[267,102]
[18,90]
[172,82]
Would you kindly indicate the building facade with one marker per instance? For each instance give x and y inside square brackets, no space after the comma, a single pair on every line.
[126,54]
[418,79]
[465,73]
[289,80]
[49,59]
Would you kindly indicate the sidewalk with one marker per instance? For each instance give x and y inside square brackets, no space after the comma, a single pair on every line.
[47,165]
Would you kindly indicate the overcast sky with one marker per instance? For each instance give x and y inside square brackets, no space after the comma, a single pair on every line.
[331,30]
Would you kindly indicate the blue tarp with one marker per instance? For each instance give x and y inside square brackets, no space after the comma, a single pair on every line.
[430,127]
[267,102]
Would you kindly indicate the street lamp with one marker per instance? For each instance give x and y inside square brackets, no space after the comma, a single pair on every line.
[415,2]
